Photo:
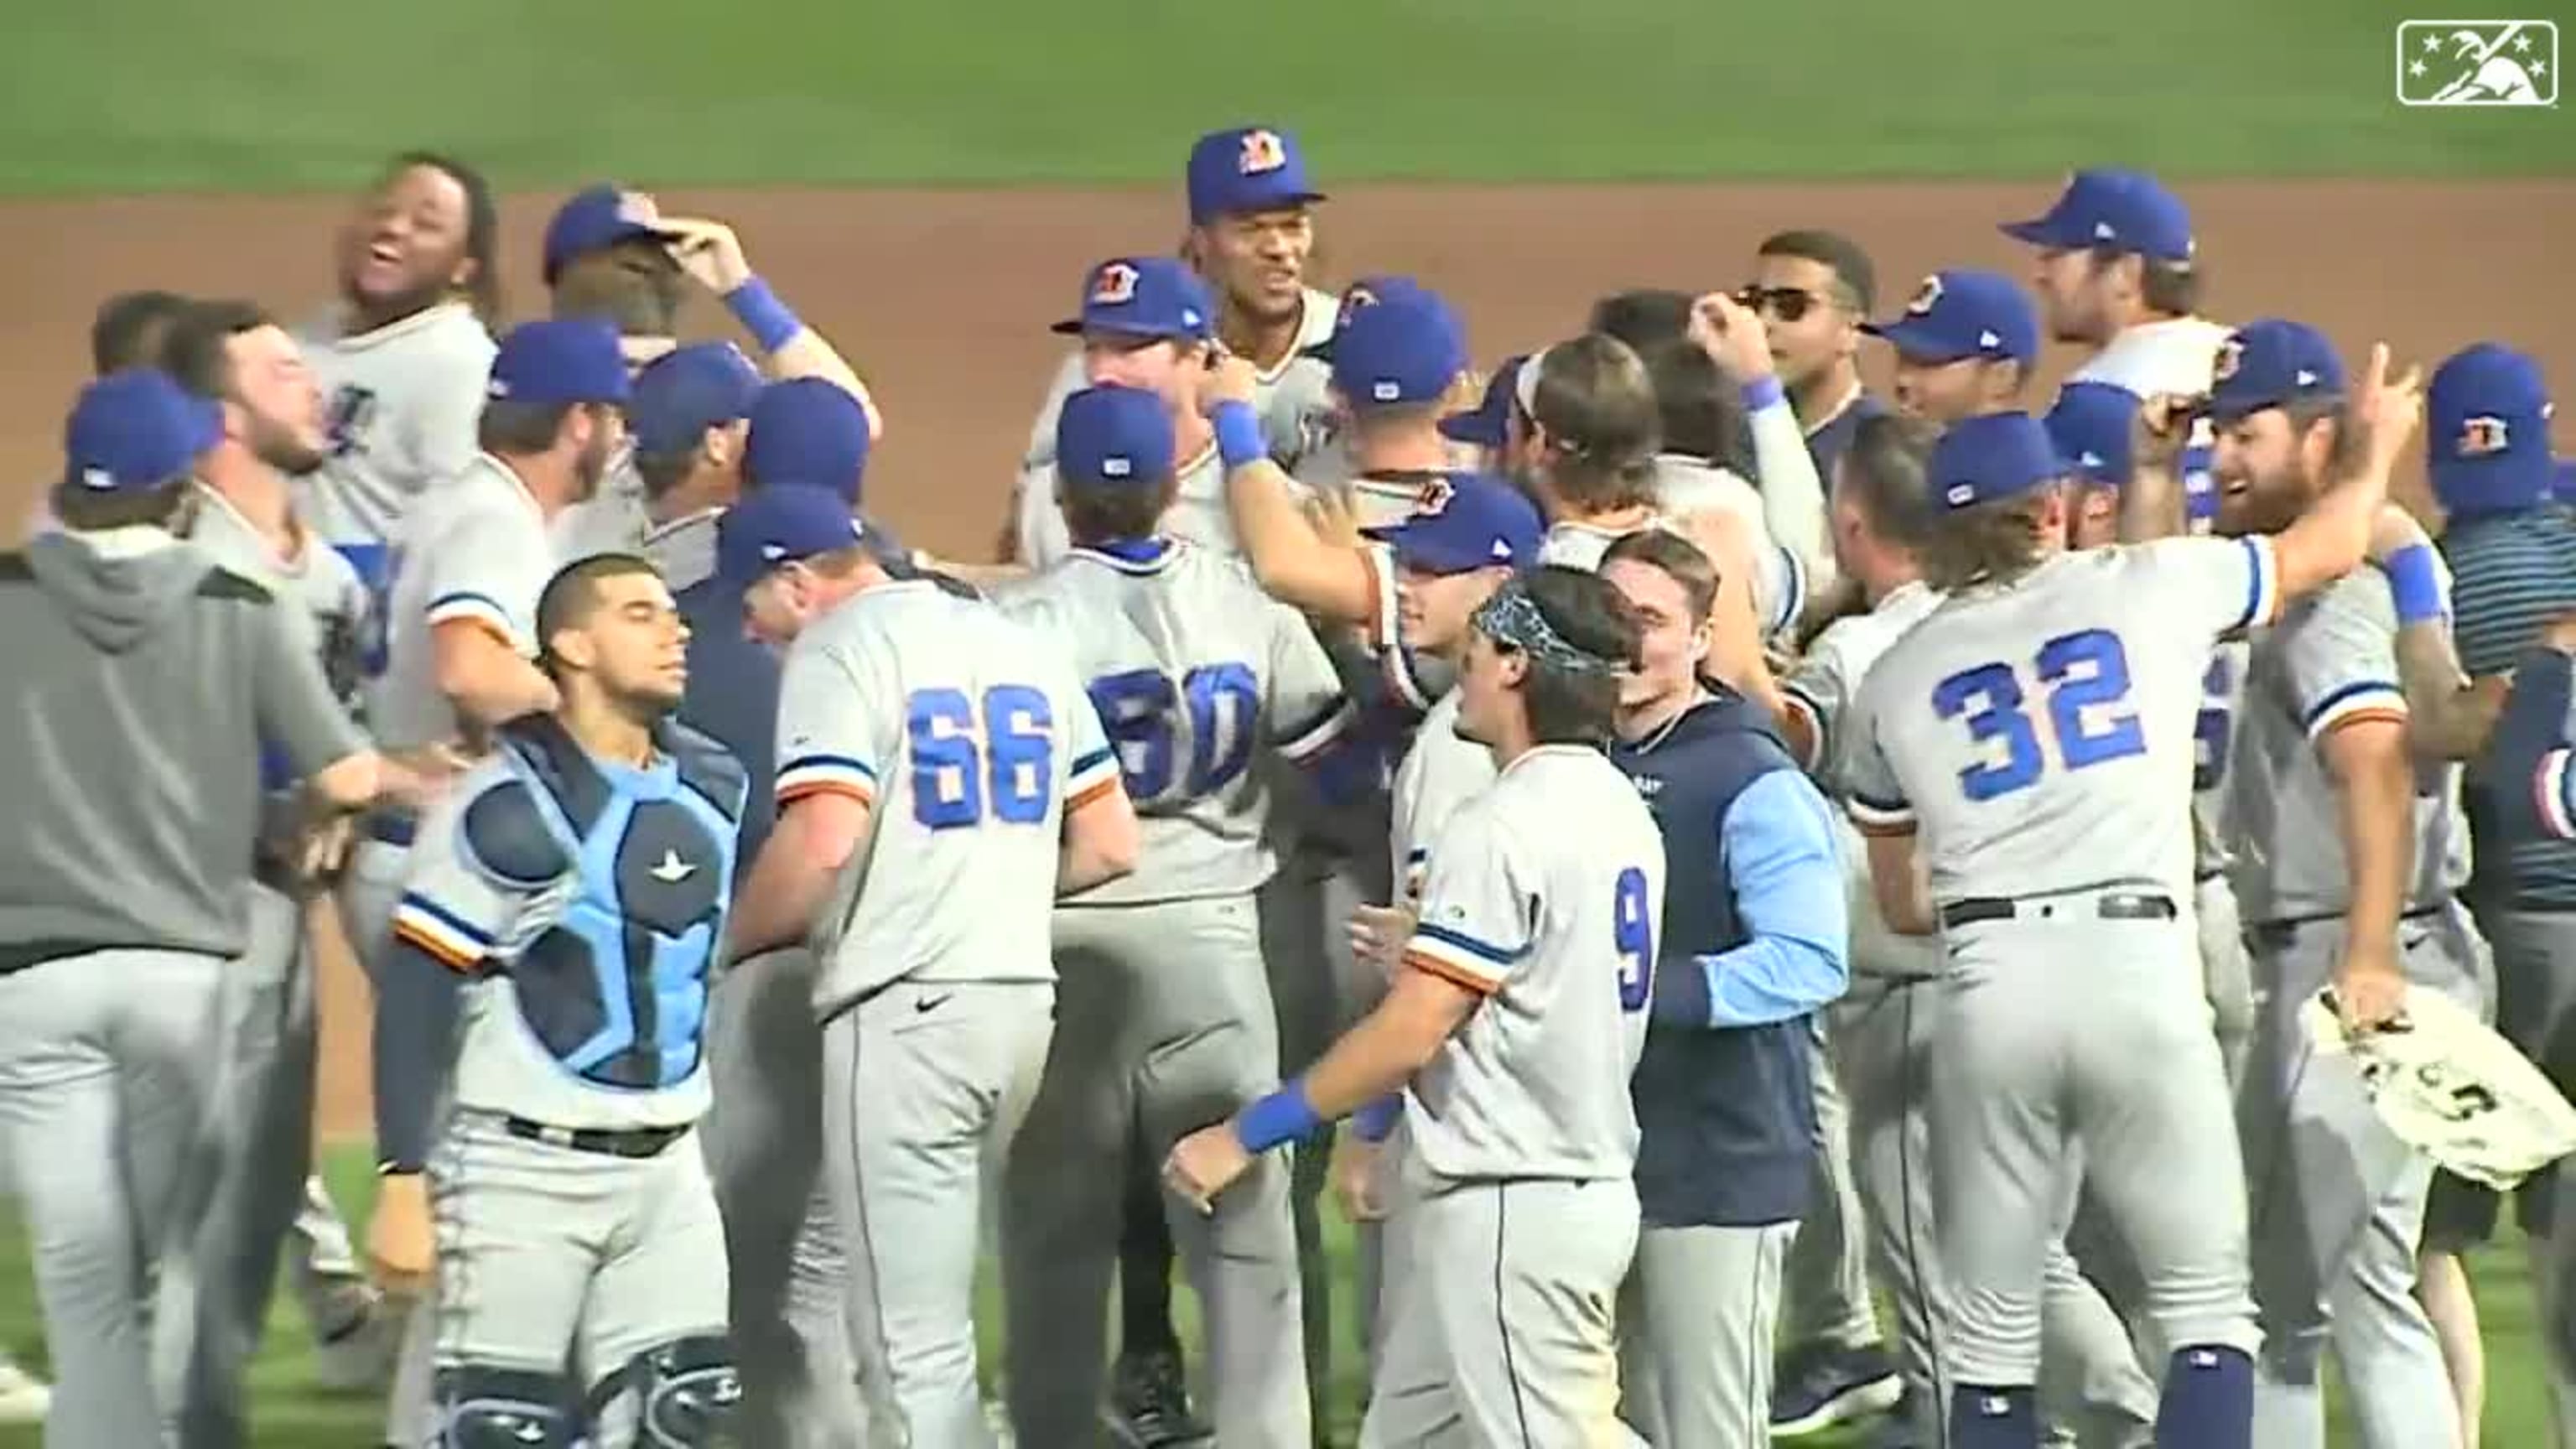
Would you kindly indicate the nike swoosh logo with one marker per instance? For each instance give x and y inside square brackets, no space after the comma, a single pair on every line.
[924,1005]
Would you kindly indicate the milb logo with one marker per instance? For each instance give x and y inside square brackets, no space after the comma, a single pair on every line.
[2477,63]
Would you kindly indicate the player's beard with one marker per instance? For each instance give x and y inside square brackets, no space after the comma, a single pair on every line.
[591,468]
[276,444]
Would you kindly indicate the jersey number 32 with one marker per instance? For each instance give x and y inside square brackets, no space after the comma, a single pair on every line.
[2086,675]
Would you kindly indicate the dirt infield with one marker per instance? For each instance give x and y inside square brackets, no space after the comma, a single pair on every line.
[942,297]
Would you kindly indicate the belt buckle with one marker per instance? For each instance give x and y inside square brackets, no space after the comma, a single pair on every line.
[554,1136]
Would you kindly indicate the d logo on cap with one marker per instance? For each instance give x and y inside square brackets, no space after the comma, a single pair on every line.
[2231,358]
[1113,284]
[2482,437]
[1433,496]
[1926,297]
[1261,152]
[637,209]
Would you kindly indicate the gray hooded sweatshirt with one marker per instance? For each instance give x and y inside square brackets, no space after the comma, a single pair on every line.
[143,680]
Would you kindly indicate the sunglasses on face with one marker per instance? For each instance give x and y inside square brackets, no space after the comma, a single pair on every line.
[1789,304]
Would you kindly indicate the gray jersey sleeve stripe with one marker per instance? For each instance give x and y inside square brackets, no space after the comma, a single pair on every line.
[807,774]
[1485,953]
[1311,737]
[2262,583]
[2361,698]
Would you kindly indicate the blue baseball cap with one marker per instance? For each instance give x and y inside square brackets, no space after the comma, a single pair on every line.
[2486,430]
[1489,424]
[1144,297]
[1990,457]
[597,218]
[780,524]
[807,430]
[1467,521]
[2090,426]
[1247,168]
[2270,363]
[2124,211]
[1962,314]
[136,430]
[1114,437]
[1404,350]
[685,391]
[560,360]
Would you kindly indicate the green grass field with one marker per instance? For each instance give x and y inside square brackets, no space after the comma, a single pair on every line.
[292,1414]
[151,95]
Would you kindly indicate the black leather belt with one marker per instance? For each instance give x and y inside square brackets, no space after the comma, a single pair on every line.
[2278,933]
[2106,905]
[622,1142]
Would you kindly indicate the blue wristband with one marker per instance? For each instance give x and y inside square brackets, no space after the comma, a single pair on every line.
[761,313]
[1762,392]
[1238,435]
[2415,583]
[1376,1120]
[1282,1117]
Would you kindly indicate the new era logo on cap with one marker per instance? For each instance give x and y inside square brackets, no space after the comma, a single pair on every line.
[98,478]
[1261,151]
[773,551]
[1113,284]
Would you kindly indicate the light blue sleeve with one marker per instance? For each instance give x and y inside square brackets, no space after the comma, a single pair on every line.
[1785,867]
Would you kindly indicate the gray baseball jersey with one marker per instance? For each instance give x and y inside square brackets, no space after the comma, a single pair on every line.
[614,520]
[474,552]
[1543,896]
[404,403]
[968,736]
[1440,772]
[2039,735]
[2331,661]
[320,581]
[684,548]
[1192,670]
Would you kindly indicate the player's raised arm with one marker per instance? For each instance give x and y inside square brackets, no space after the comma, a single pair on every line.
[1292,560]
[712,254]
[2532,790]
[2449,715]
[1793,493]
[2332,536]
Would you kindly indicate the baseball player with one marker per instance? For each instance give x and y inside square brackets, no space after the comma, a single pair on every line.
[1404,441]
[1886,1026]
[1163,1011]
[403,358]
[2116,273]
[1251,239]
[125,332]
[139,660]
[214,1309]
[2350,853]
[1812,289]
[1724,1095]
[941,779]
[1511,1024]
[2068,841]
[460,632]
[1964,345]
[577,883]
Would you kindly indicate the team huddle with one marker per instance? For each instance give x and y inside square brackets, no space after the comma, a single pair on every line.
[1683,852]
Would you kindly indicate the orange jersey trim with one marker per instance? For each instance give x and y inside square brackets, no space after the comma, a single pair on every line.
[1462,979]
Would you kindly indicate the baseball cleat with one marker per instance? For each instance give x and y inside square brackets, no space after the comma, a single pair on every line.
[24,1398]
[1819,1388]
[1149,1405]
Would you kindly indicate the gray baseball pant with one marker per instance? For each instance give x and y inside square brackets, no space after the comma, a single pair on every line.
[2338,1205]
[764,1144]
[1884,1034]
[2075,1037]
[1697,1316]
[2227,970]
[2535,972]
[107,1061]
[925,1084]
[1827,1300]
[1163,1027]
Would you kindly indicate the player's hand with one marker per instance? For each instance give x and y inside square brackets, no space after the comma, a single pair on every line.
[1378,934]
[325,848]
[2560,633]
[2387,409]
[2394,531]
[2369,990]
[401,1252]
[1359,1170]
[1335,515]
[709,252]
[1733,336]
[2161,428]
[1228,379]
[1204,1164]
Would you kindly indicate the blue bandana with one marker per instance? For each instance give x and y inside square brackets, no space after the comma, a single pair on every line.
[1511,618]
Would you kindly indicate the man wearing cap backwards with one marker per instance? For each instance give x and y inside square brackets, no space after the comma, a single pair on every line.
[1163,1011]
[460,649]
[2054,859]
[942,779]
[611,254]
[142,662]
[1251,239]
[2349,856]
[576,883]
[1519,1217]
[2512,558]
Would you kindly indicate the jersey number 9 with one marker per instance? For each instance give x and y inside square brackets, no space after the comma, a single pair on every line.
[1215,707]
[968,761]
[1632,930]
[2087,674]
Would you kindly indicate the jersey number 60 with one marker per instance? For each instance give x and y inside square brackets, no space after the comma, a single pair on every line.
[966,758]
[1215,708]
[2087,673]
